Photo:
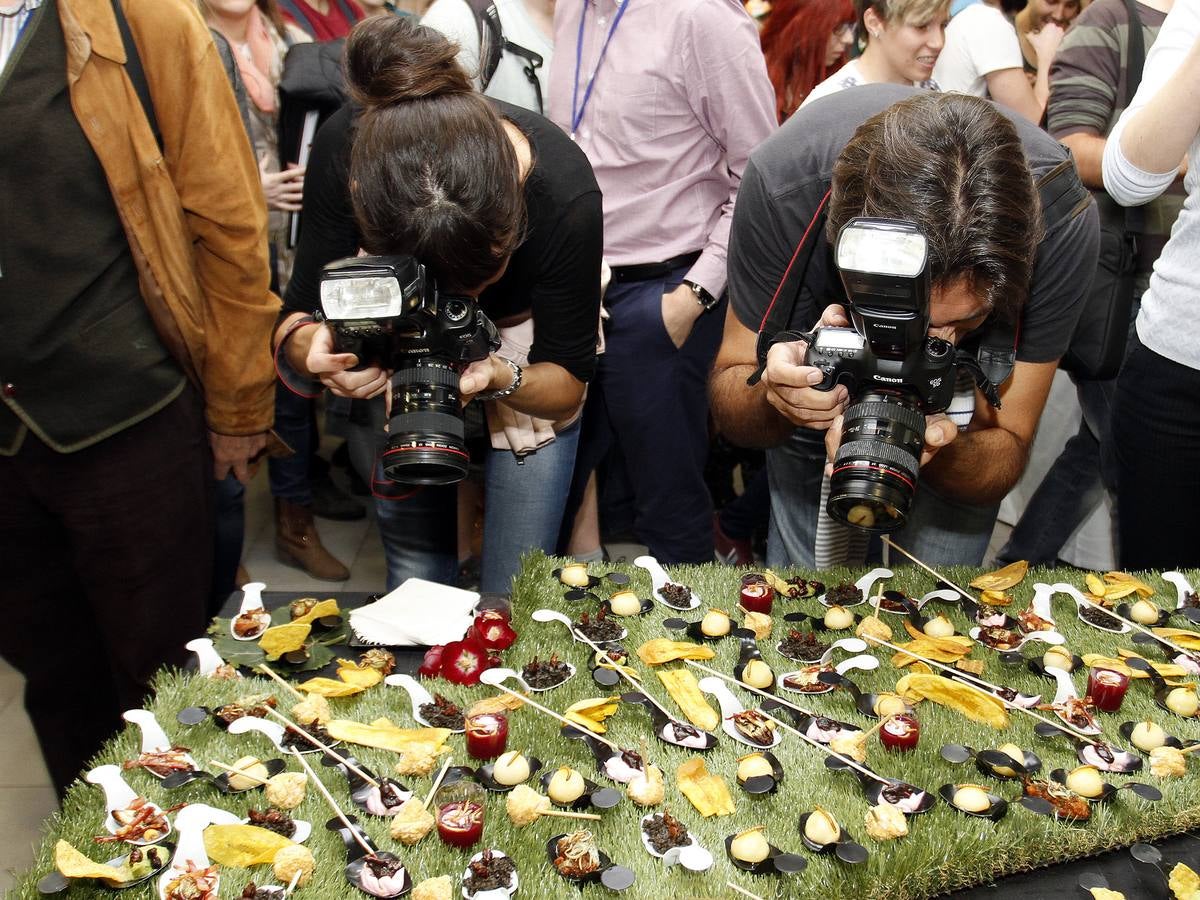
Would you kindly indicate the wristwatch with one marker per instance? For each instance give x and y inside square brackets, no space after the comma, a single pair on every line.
[706,300]
[518,377]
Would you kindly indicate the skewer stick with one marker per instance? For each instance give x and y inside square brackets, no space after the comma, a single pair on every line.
[236,771]
[292,886]
[746,687]
[934,572]
[323,747]
[267,670]
[874,728]
[437,782]
[552,714]
[982,686]
[742,891]
[1138,627]
[337,810]
[564,814]
[1191,749]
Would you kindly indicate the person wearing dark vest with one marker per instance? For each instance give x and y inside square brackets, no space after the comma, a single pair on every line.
[134,365]
[323,20]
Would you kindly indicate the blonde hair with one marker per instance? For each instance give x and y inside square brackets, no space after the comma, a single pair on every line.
[903,12]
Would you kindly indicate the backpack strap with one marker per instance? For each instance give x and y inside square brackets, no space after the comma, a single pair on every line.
[293,10]
[491,38]
[137,75]
[533,62]
[1135,216]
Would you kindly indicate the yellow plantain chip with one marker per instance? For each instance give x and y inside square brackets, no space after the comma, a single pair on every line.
[282,639]
[329,687]
[1118,591]
[73,864]
[922,668]
[973,666]
[707,792]
[1002,579]
[1095,585]
[362,674]
[661,650]
[781,587]
[1099,893]
[321,610]
[1097,661]
[969,701]
[592,713]
[681,684]
[242,845]
[1188,640]
[996,598]
[1184,883]
[382,733]
[1123,578]
[493,705]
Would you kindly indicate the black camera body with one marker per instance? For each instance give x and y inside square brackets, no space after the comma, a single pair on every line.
[388,311]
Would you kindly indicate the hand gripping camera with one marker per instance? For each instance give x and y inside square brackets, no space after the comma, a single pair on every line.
[388,312]
[895,372]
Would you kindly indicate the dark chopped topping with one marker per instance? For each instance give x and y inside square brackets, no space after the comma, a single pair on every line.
[255,706]
[1006,694]
[253,892]
[806,680]
[802,645]
[1067,804]
[293,738]
[893,601]
[633,759]
[380,867]
[843,594]
[441,713]
[302,607]
[489,872]
[799,589]
[1192,599]
[664,831]
[827,724]
[754,727]
[1030,621]
[1099,618]
[275,820]
[1104,752]
[682,731]
[251,624]
[986,612]
[999,638]
[598,628]
[895,793]
[547,674]
[677,595]
[391,794]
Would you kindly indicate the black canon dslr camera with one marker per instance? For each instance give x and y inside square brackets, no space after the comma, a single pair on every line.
[896,374]
[388,312]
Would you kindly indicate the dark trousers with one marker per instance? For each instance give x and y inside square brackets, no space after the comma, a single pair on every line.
[1156,443]
[652,400]
[106,555]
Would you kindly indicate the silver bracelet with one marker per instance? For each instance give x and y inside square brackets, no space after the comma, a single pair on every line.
[518,377]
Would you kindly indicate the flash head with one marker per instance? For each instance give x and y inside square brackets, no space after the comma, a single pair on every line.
[371,287]
[887,247]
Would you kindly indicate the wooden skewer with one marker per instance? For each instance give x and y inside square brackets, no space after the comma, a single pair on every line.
[337,810]
[292,886]
[934,572]
[236,771]
[321,746]
[1142,628]
[437,782]
[564,814]
[552,714]
[744,686]
[1191,749]
[266,670]
[874,728]
[742,891]
[983,687]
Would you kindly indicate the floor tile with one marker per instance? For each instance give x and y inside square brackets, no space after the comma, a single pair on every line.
[22,812]
[20,757]
[11,683]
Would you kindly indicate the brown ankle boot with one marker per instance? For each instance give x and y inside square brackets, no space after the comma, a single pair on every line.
[298,544]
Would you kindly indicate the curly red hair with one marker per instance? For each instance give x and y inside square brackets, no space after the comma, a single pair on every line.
[794,41]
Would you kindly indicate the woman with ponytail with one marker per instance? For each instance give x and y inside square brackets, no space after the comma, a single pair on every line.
[499,205]
[804,42]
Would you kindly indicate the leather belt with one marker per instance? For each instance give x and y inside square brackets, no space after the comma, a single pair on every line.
[648,271]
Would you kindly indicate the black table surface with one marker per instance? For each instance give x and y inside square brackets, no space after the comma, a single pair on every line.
[1135,880]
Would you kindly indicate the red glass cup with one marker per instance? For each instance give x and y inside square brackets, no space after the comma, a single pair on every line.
[460,811]
[1107,689]
[487,735]
[756,595]
[900,733]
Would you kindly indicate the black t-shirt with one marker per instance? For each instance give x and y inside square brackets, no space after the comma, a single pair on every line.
[555,273]
[790,172]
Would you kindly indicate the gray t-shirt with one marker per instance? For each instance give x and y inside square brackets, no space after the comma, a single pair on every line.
[790,172]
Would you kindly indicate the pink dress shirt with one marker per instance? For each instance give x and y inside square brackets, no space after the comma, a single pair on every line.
[680,99]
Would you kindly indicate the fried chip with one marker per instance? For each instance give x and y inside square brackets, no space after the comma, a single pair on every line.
[939,649]
[707,792]
[321,610]
[1122,579]
[492,705]
[1095,584]
[1188,640]
[282,639]
[1002,579]
[1097,661]
[962,698]
[385,735]
[996,598]
[355,678]
[73,864]
[1184,882]
[242,845]
[661,650]
[591,713]
[681,684]
[972,666]
[1099,893]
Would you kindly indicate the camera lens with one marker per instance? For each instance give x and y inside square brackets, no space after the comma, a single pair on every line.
[426,443]
[875,469]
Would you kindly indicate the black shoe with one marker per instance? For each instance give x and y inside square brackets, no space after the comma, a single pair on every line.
[331,502]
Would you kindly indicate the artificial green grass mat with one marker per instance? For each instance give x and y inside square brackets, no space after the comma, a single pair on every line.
[944,850]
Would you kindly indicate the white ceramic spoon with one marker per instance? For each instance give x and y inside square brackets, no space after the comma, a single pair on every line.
[1042,595]
[207,658]
[419,697]
[1066,691]
[224,817]
[659,578]
[251,601]
[190,822]
[730,707]
[273,731]
[865,662]
[118,795]
[691,856]
[1082,603]
[500,893]
[154,739]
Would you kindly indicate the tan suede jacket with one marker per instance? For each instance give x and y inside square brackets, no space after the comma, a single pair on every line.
[194,212]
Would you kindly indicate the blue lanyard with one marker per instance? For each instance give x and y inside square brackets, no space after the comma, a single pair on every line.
[578,108]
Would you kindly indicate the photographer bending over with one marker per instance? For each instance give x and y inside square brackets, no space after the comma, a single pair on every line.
[498,205]
[1005,276]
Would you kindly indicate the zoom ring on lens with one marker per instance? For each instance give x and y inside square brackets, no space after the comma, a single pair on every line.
[424,422]
[891,412]
[436,376]
[875,451]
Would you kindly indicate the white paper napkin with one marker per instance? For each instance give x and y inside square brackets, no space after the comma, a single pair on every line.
[417,613]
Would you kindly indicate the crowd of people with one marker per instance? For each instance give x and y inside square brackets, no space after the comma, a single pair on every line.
[645,198]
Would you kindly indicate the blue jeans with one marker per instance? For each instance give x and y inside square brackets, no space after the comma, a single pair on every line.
[938,531]
[295,425]
[524,509]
